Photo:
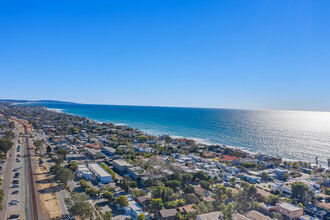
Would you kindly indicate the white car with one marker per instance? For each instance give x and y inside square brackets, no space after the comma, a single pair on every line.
[14,202]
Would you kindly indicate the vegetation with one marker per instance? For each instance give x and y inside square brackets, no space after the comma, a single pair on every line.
[78,205]
[121,201]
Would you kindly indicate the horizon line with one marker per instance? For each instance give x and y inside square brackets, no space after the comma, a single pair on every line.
[164,106]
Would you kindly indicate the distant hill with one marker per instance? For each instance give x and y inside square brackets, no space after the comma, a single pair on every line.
[11,101]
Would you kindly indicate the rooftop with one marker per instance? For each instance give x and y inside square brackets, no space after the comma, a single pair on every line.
[98,169]
[289,207]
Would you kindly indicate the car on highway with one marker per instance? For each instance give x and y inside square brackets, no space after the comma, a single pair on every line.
[14,216]
[15,192]
[14,202]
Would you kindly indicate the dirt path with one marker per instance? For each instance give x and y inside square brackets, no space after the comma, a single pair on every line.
[48,198]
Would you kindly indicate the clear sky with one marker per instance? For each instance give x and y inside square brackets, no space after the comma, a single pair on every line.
[228,54]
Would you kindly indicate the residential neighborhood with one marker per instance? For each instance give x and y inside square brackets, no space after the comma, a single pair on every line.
[107,171]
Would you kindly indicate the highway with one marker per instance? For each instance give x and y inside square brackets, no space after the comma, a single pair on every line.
[29,206]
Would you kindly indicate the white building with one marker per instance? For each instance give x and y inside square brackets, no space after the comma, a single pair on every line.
[83,172]
[134,209]
[100,174]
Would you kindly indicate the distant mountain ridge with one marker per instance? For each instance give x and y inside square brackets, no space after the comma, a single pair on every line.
[11,101]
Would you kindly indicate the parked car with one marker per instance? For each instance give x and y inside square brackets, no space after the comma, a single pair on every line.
[14,202]
[15,181]
[15,192]
[14,216]
[15,185]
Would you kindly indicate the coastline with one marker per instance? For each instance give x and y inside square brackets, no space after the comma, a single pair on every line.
[197,140]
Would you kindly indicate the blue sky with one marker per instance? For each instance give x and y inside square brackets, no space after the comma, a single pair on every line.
[228,54]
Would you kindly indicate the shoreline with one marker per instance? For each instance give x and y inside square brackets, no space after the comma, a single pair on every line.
[197,140]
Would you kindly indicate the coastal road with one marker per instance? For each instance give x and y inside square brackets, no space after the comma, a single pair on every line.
[32,206]
[7,169]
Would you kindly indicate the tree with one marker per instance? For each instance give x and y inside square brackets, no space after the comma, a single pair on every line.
[189,189]
[38,144]
[92,192]
[162,191]
[300,192]
[83,184]
[107,215]
[63,175]
[272,200]
[108,196]
[191,199]
[205,184]
[174,184]
[5,145]
[232,182]
[62,153]
[142,138]
[156,205]
[78,205]
[141,217]
[327,191]
[73,166]
[121,201]
[265,176]
[10,135]
[109,170]
[187,177]
[168,139]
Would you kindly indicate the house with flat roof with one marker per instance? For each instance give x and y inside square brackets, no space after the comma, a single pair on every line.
[109,150]
[289,211]
[83,172]
[121,165]
[100,174]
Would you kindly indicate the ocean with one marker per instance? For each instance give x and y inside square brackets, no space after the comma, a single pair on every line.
[293,135]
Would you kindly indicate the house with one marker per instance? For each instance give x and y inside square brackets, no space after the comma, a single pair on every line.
[144,202]
[251,179]
[83,172]
[121,165]
[210,215]
[100,174]
[316,211]
[280,172]
[324,205]
[134,210]
[290,211]
[109,150]
[186,209]
[226,158]
[267,208]
[167,214]
[282,187]
[70,157]
[255,215]
[238,216]
[94,153]
[135,172]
